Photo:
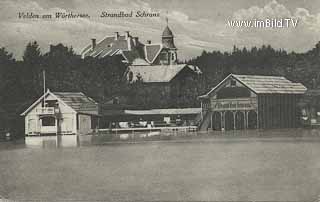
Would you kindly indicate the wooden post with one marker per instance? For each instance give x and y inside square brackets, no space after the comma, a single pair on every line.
[221,120]
[201,111]
[56,121]
[244,119]
[257,112]
[223,124]
[234,120]
[211,120]
[247,119]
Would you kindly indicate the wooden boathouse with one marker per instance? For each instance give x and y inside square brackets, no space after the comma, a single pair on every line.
[61,113]
[250,102]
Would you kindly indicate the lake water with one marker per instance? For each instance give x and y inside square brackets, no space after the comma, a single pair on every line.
[281,165]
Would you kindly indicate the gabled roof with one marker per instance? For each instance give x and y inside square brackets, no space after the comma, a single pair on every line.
[107,46]
[132,55]
[79,102]
[152,51]
[159,73]
[265,84]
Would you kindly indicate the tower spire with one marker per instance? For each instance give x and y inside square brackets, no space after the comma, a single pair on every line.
[167,20]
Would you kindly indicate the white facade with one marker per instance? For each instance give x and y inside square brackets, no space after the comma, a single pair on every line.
[55,118]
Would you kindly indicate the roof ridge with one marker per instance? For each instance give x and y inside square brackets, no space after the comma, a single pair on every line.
[255,75]
[66,92]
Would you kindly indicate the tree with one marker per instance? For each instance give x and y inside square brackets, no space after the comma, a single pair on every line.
[32,68]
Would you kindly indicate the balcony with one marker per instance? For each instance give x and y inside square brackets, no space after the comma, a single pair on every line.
[234,104]
[46,111]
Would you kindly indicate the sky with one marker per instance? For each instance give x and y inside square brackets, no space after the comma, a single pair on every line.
[197,25]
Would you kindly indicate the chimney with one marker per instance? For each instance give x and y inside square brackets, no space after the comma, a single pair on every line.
[127,34]
[94,43]
[148,41]
[135,41]
[116,36]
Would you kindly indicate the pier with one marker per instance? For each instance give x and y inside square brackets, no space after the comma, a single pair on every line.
[153,129]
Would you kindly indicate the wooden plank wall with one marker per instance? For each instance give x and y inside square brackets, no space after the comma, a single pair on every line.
[278,110]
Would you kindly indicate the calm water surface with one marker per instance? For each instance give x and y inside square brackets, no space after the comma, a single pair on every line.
[271,166]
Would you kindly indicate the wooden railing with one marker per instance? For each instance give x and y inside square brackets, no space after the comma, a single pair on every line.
[45,111]
[234,104]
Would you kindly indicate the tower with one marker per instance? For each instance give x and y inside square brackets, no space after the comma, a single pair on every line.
[168,44]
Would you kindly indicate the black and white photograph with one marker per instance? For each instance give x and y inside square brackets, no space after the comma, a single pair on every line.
[160,100]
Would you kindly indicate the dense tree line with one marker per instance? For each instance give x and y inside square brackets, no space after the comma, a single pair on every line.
[298,67]
[102,79]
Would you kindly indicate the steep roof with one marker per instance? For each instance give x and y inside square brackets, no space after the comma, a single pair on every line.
[107,46]
[167,32]
[152,51]
[159,73]
[76,100]
[265,84]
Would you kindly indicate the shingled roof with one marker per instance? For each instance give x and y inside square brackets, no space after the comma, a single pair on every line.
[265,84]
[159,73]
[79,102]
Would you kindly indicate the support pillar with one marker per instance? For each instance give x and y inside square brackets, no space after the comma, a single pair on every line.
[247,119]
[257,119]
[244,119]
[234,120]
[211,120]
[223,124]
[56,124]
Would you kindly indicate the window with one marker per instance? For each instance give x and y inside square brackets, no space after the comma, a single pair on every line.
[164,58]
[173,56]
[48,121]
[51,103]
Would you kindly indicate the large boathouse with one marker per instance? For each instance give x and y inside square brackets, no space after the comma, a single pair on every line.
[251,101]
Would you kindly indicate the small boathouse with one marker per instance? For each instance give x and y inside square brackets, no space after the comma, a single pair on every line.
[61,113]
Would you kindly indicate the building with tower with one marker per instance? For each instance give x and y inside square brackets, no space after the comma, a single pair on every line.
[149,62]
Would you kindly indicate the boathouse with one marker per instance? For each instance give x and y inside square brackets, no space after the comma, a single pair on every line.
[61,113]
[251,101]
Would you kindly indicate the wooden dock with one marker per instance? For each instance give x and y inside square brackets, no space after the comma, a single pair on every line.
[153,129]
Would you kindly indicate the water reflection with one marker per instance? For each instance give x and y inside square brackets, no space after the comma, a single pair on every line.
[53,141]
[65,141]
